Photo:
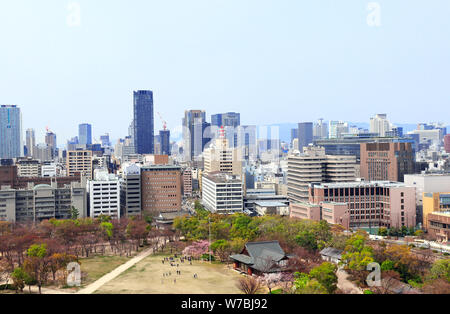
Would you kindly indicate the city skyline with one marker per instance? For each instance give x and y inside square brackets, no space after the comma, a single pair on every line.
[289,64]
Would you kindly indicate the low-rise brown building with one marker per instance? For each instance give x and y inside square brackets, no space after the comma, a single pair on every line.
[8,176]
[439,225]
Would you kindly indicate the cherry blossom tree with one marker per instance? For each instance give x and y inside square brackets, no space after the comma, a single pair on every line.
[197,249]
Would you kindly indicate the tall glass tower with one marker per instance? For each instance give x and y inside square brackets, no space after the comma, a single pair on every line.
[165,142]
[10,132]
[31,142]
[143,122]
[85,134]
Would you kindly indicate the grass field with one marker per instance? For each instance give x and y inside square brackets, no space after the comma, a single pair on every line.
[146,277]
[97,266]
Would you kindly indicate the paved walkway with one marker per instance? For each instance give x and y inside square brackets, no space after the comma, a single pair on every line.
[114,273]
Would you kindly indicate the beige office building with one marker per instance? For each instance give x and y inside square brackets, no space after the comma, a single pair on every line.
[221,158]
[79,161]
[314,166]
[28,167]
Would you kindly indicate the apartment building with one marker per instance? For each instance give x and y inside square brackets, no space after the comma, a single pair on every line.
[187,182]
[222,193]
[79,161]
[28,167]
[42,201]
[161,188]
[104,195]
[314,166]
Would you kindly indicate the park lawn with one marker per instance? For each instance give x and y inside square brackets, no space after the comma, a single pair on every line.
[97,266]
[146,277]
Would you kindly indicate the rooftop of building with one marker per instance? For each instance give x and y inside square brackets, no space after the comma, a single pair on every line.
[261,191]
[429,174]
[443,213]
[160,167]
[221,177]
[305,204]
[360,184]
[270,204]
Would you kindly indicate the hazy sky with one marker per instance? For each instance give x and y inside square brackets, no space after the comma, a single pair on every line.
[272,60]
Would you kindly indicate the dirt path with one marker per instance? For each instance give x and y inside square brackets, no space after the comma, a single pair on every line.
[345,284]
[116,272]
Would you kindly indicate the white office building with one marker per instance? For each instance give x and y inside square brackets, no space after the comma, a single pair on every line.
[104,194]
[222,193]
[49,170]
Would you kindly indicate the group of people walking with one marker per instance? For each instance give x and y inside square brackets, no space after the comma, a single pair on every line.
[175,261]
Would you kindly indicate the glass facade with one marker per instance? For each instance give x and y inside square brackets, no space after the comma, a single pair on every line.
[10,132]
[143,122]
[85,134]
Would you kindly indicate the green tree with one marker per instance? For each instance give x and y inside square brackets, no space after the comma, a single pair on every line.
[74,212]
[107,229]
[357,255]
[387,265]
[18,276]
[222,248]
[325,274]
[307,239]
[37,263]
[418,233]
[382,231]
[303,284]
[441,270]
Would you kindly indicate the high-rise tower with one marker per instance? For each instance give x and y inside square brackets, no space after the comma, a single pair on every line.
[143,121]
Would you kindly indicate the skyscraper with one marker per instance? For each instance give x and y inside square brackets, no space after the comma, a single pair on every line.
[85,134]
[10,132]
[50,140]
[320,130]
[229,121]
[246,141]
[294,134]
[104,139]
[305,134]
[143,121]
[31,142]
[165,142]
[380,124]
[194,137]
[226,119]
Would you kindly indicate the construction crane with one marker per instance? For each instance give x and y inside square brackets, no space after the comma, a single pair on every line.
[163,121]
